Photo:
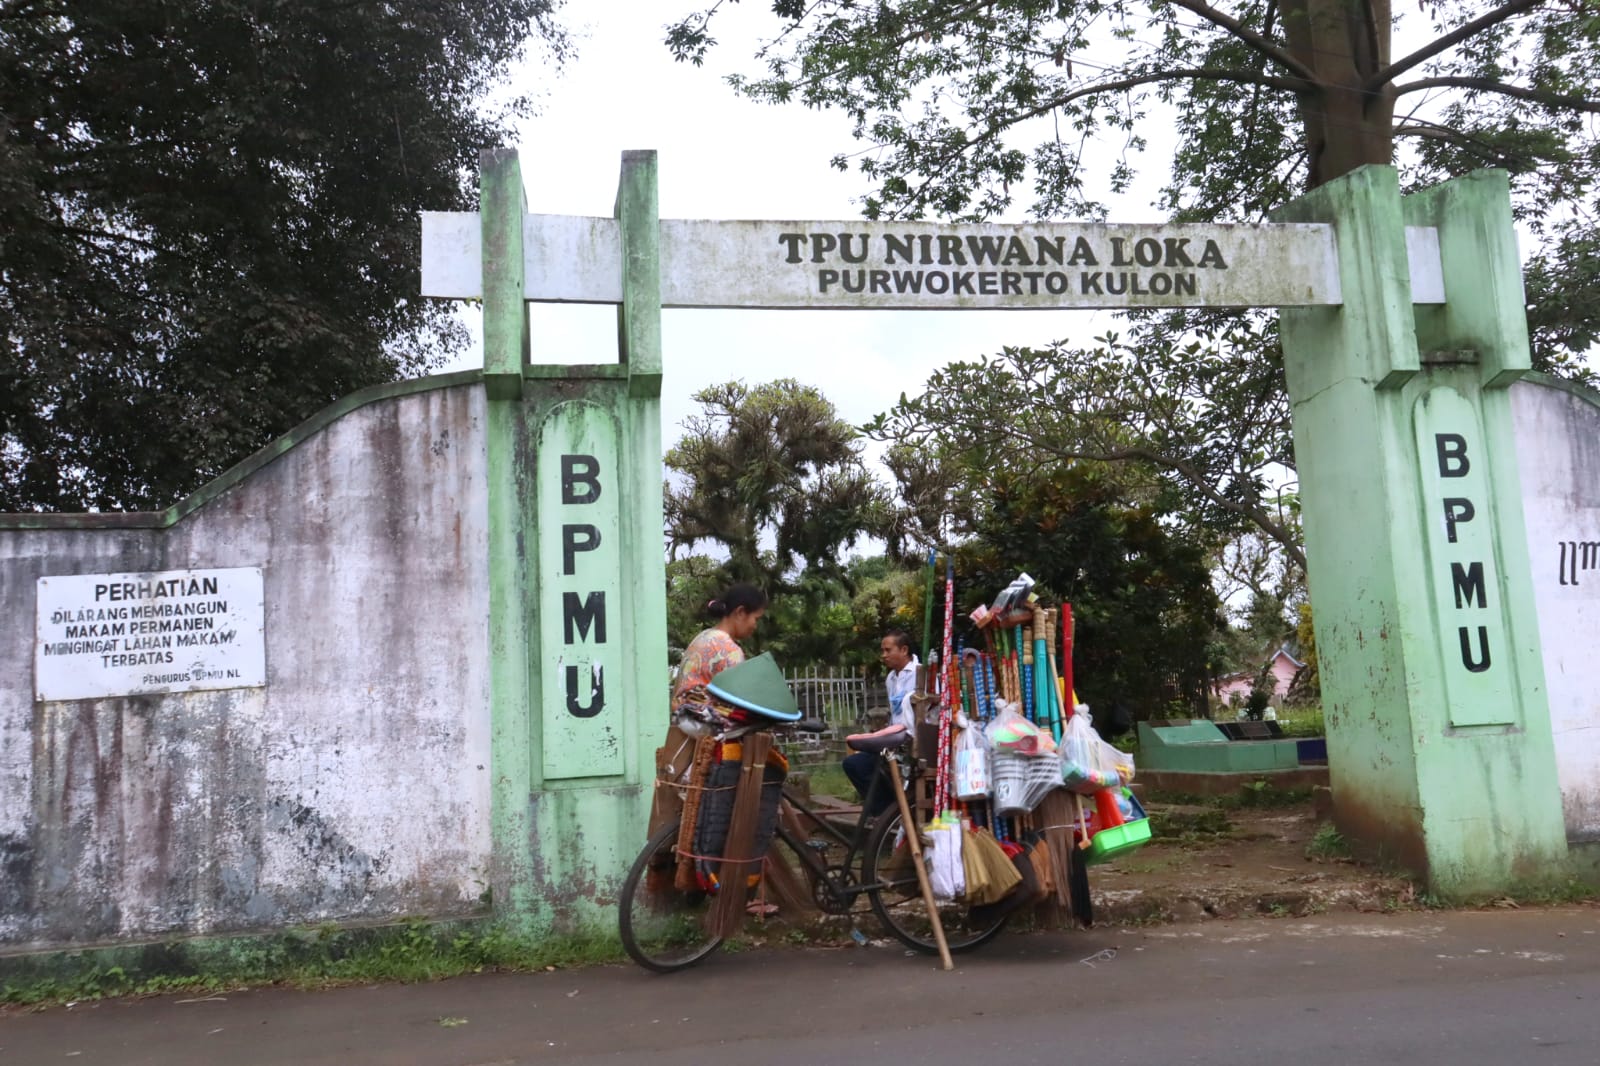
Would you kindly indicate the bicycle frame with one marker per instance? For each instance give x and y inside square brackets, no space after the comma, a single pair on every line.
[854,844]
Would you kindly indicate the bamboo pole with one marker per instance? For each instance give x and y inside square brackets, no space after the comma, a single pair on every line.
[914,842]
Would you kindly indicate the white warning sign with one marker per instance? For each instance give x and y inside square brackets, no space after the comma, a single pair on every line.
[100,635]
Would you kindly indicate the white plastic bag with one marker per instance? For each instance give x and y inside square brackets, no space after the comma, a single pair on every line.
[1011,732]
[1085,768]
[972,765]
[947,876]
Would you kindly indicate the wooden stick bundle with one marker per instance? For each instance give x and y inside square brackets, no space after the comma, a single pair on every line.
[727,913]
[704,749]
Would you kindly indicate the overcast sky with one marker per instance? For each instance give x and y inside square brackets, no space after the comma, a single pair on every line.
[722,157]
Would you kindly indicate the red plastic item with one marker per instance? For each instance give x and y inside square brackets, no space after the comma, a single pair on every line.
[1105,810]
[1066,659]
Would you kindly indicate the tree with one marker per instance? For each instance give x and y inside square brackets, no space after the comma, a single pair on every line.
[772,465]
[208,221]
[1209,418]
[1143,608]
[693,581]
[961,106]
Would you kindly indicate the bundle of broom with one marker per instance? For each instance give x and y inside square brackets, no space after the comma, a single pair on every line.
[1057,813]
[738,854]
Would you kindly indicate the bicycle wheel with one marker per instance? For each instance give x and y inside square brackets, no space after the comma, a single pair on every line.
[662,928]
[898,901]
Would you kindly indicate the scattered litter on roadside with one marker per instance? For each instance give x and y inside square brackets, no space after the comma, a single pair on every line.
[1103,955]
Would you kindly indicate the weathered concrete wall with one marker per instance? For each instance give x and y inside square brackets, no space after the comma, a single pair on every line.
[1558,449]
[355,785]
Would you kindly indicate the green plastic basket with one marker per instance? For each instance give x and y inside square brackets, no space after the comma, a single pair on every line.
[1118,840]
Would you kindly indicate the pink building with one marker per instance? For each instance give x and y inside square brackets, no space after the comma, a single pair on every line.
[1284,667]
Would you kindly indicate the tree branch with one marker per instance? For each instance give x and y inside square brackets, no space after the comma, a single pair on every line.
[1261,44]
[1432,131]
[1488,85]
[1264,521]
[108,235]
[1245,77]
[1448,41]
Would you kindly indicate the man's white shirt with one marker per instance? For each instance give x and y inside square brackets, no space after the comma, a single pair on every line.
[901,684]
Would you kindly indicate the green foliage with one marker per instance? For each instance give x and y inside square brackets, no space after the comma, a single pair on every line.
[209,221]
[770,475]
[772,462]
[1202,421]
[1142,602]
[1302,721]
[1261,793]
[827,779]
[692,582]
[963,108]
[1308,686]
[1190,827]
[1328,843]
[409,952]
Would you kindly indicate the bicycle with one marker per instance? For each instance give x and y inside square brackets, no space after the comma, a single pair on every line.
[665,929]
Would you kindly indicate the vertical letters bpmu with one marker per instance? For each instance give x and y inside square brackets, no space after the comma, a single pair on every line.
[1466,580]
[582,619]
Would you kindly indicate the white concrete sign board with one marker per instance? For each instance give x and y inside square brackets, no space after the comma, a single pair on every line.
[101,635]
[922,265]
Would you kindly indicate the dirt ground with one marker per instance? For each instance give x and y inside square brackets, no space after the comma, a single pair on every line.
[1208,862]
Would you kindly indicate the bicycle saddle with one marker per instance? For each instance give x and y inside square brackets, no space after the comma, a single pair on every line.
[886,739]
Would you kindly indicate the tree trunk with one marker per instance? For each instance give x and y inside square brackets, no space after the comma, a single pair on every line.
[1344,42]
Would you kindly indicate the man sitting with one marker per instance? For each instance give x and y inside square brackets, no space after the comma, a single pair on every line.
[863,766]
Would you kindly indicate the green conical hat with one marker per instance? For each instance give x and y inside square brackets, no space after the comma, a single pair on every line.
[757,685]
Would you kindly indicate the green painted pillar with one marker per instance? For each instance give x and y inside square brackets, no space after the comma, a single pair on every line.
[645,588]
[505,313]
[1439,740]
[505,347]
[578,583]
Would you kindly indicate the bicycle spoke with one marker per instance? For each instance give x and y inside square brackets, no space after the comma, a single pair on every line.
[662,927]
[898,901]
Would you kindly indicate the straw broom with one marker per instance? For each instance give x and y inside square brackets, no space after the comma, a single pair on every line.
[782,885]
[1056,812]
[727,913]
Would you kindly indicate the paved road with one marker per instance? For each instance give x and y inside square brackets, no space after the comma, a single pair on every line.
[1508,988]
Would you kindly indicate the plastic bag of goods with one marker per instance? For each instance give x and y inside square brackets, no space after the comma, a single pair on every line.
[1084,765]
[972,765]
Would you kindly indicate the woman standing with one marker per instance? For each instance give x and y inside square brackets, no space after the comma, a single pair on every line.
[714,650]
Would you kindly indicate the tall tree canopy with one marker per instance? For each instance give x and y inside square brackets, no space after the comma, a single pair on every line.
[963,108]
[774,477]
[208,220]
[1103,538]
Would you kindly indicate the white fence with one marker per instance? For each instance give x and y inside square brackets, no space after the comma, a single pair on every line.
[845,699]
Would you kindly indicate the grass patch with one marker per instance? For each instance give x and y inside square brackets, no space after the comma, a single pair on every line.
[1264,794]
[827,779]
[1328,843]
[1302,721]
[1523,894]
[1258,793]
[1203,826]
[327,957]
